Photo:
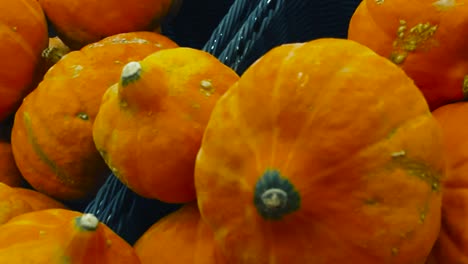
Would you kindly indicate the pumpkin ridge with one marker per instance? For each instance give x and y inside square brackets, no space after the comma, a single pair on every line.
[18,39]
[38,150]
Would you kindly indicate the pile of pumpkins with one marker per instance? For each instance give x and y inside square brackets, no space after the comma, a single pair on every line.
[329,151]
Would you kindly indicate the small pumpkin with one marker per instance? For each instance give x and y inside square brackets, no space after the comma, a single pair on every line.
[15,201]
[180,237]
[149,125]
[428,39]
[23,28]
[9,173]
[52,133]
[323,152]
[452,245]
[88,21]
[62,236]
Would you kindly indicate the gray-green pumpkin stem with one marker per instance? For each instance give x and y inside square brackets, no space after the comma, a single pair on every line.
[87,222]
[275,196]
[130,73]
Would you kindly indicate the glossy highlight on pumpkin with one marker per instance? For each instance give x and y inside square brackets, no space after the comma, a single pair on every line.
[342,131]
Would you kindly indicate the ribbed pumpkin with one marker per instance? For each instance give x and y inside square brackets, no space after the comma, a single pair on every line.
[323,152]
[180,237]
[428,39]
[452,245]
[9,173]
[23,31]
[150,124]
[58,236]
[52,133]
[79,23]
[15,201]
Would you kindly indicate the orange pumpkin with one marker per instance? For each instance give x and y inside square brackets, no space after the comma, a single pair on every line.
[62,236]
[323,152]
[24,35]
[150,124]
[87,21]
[52,133]
[452,245]
[428,39]
[9,173]
[15,201]
[180,237]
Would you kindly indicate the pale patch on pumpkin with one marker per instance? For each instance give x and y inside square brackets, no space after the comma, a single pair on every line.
[409,40]
[465,87]
[398,153]
[444,5]
[76,70]
[206,87]
[379,2]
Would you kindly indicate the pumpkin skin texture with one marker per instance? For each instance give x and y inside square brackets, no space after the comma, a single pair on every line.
[428,39]
[452,245]
[341,162]
[23,31]
[15,201]
[149,126]
[180,237]
[61,236]
[79,23]
[9,173]
[53,146]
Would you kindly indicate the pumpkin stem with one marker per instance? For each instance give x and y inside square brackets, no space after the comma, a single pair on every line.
[88,222]
[130,73]
[275,196]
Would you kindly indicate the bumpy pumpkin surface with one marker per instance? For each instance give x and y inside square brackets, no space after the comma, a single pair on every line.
[150,124]
[323,152]
[58,236]
[23,31]
[79,23]
[52,133]
[180,237]
[9,173]
[428,39]
[452,245]
[15,201]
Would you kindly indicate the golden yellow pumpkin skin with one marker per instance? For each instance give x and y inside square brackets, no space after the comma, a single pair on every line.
[323,152]
[57,236]
[149,125]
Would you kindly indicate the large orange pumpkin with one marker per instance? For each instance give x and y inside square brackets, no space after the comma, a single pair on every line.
[150,124]
[323,152]
[15,201]
[52,133]
[180,237]
[9,173]
[452,245]
[86,21]
[23,31]
[428,39]
[57,236]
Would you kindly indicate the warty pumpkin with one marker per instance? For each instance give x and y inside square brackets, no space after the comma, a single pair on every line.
[428,39]
[79,23]
[16,200]
[180,237]
[323,152]
[150,124]
[52,133]
[9,173]
[57,236]
[23,34]
[452,245]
